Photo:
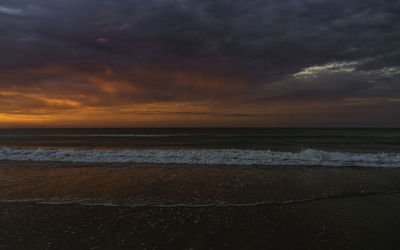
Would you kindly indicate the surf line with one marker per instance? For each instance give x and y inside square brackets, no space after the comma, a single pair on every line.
[212,205]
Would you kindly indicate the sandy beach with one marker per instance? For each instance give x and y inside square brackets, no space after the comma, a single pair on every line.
[103,206]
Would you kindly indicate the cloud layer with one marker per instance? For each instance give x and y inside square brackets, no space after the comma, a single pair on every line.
[289,62]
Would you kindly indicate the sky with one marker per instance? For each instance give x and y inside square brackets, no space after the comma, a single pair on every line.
[138,63]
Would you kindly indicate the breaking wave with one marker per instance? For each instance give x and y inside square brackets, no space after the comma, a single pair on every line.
[308,157]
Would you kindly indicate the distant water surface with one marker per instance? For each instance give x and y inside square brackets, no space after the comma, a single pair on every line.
[240,146]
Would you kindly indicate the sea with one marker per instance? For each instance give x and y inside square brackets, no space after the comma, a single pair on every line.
[199,188]
[330,147]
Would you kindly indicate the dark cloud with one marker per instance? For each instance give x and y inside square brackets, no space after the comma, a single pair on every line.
[227,51]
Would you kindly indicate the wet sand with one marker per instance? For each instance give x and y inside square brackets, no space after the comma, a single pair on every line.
[121,206]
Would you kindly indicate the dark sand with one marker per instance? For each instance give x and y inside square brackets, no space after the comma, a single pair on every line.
[197,207]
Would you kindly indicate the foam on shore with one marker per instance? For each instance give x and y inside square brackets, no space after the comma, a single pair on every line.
[308,157]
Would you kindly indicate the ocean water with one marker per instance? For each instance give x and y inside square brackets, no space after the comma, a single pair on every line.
[206,146]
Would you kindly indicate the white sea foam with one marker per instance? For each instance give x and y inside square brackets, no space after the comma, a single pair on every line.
[308,157]
[57,201]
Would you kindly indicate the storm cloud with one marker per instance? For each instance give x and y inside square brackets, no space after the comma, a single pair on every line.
[262,59]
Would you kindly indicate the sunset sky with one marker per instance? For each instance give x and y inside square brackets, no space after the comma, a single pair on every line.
[120,63]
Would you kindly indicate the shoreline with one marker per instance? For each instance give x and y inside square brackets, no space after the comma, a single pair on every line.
[216,205]
[126,184]
[57,164]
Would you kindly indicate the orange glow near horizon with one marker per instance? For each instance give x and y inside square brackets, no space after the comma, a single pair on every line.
[69,96]
[70,113]
[139,96]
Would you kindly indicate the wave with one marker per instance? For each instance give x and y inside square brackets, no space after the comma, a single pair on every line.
[203,205]
[308,157]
